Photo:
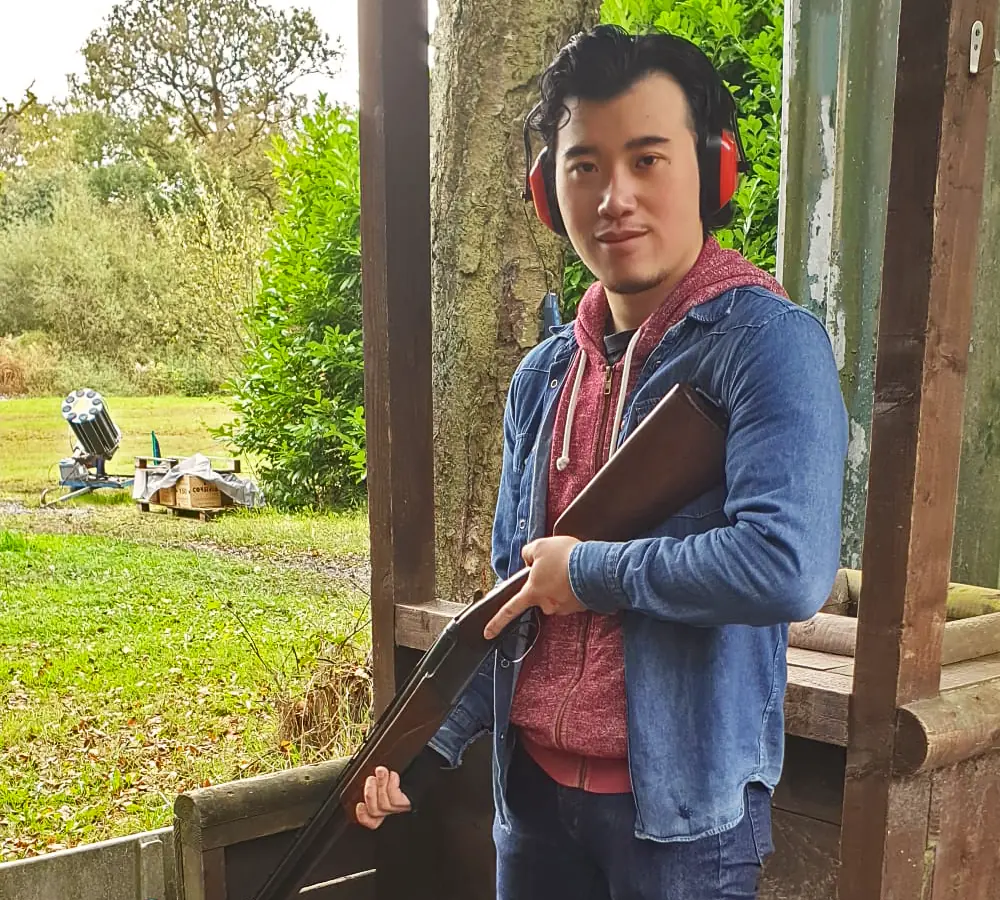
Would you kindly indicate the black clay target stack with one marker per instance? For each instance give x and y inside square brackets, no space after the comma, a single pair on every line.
[87,414]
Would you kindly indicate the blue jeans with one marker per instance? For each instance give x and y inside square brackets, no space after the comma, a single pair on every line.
[567,844]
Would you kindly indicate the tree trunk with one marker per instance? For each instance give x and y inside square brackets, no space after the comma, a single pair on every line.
[491,260]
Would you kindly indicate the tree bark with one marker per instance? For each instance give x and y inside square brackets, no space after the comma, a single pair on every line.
[492,261]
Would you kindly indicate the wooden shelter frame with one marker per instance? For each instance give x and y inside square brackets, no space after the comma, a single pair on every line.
[892,779]
[893,696]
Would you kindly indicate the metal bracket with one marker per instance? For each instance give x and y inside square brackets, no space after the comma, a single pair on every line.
[976,47]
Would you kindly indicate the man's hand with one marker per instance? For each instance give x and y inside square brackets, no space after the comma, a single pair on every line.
[547,586]
[383,797]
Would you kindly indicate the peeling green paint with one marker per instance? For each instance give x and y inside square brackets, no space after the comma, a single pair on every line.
[839,79]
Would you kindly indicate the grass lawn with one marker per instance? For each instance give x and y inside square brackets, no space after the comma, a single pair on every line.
[34,436]
[142,655]
[129,675]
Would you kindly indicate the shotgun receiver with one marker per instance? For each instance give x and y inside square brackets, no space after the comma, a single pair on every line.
[675,455]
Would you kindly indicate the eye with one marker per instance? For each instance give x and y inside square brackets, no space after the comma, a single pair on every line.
[583,167]
[647,161]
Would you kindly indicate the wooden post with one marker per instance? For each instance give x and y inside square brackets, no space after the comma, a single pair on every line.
[938,149]
[396,291]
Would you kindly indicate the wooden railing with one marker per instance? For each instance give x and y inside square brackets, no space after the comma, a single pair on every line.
[230,837]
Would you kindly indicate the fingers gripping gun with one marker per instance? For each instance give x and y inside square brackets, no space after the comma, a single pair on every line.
[675,455]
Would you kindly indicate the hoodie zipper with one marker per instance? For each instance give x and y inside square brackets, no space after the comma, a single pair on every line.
[609,373]
[599,452]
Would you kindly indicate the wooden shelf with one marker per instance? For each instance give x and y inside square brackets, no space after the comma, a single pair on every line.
[819,683]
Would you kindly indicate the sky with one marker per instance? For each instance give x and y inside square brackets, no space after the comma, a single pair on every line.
[41,41]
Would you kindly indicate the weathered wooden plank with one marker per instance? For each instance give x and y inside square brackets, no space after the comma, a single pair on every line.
[939,138]
[805,861]
[418,625]
[816,705]
[966,823]
[954,675]
[396,292]
[249,864]
[825,633]
[812,781]
[906,841]
[963,639]
[200,875]
[239,811]
[815,659]
[945,730]
[971,638]
[973,671]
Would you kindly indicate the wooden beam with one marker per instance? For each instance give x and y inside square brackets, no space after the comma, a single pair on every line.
[963,639]
[396,292]
[946,730]
[815,701]
[237,811]
[940,121]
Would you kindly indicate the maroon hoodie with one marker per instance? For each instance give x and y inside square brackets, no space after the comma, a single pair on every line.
[569,704]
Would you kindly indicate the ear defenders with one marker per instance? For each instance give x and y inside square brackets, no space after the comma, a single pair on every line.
[720,161]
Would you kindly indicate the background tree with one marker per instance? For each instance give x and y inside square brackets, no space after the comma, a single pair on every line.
[10,115]
[492,261]
[222,72]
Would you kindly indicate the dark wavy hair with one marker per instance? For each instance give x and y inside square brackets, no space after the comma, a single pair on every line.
[605,62]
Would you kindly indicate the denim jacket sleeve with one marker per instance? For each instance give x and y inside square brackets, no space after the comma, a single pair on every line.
[473,714]
[776,559]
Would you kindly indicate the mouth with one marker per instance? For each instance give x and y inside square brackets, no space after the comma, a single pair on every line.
[616,238]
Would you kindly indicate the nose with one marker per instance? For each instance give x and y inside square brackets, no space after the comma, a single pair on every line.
[619,197]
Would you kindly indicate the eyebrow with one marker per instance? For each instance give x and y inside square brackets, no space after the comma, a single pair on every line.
[648,140]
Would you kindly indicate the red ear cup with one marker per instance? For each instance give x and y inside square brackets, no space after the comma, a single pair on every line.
[543,195]
[539,194]
[720,171]
[729,165]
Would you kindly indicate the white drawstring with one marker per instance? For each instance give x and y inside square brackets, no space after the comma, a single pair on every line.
[622,392]
[563,459]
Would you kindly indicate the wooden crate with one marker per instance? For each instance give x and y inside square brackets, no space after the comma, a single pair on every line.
[189,493]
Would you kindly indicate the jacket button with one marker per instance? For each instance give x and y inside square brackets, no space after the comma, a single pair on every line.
[521,524]
[554,383]
[504,663]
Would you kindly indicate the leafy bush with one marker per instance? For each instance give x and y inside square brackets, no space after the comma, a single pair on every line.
[744,40]
[147,296]
[299,400]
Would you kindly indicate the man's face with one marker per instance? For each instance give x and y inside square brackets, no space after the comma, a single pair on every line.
[628,186]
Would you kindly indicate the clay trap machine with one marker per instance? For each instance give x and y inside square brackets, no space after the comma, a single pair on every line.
[97,441]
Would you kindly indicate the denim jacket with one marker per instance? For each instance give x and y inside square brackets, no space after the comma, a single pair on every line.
[706,596]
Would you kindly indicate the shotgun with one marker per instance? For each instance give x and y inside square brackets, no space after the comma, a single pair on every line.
[674,456]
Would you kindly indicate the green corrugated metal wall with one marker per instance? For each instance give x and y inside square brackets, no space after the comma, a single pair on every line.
[839,77]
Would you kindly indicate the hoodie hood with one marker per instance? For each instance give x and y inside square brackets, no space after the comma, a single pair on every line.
[715,271]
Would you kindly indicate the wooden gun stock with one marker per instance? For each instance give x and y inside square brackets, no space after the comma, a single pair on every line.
[674,456]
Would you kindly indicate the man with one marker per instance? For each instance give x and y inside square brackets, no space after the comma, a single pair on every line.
[637,744]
